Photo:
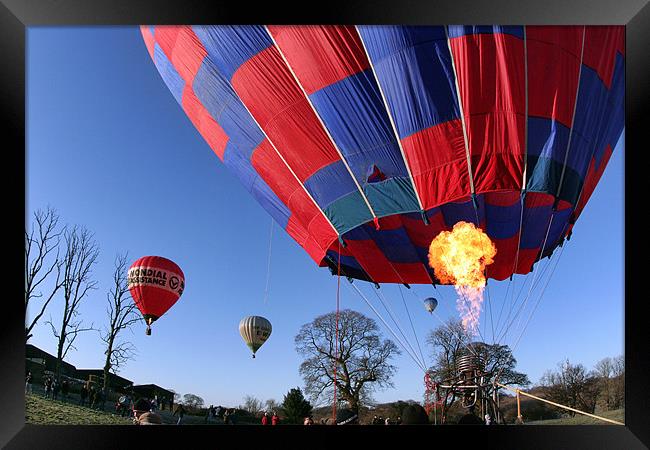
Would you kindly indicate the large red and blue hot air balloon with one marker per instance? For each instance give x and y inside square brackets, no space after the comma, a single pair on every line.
[366,142]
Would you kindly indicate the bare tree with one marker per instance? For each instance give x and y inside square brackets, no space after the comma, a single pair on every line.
[122,313]
[572,386]
[362,360]
[271,405]
[610,374]
[450,341]
[81,252]
[41,242]
[252,404]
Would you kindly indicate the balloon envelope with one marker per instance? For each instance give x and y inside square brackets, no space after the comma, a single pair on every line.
[430,304]
[255,330]
[155,283]
[381,137]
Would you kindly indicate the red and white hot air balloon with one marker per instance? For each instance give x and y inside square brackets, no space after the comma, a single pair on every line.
[155,283]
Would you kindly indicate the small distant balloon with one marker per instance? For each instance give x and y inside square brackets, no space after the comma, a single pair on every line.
[155,283]
[255,330]
[430,304]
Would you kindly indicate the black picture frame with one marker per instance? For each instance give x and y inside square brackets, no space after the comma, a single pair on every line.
[17,15]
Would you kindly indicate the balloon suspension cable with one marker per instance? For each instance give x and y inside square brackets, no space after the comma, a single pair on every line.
[268,266]
[336,341]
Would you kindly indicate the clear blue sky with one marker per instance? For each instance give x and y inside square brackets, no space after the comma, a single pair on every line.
[110,149]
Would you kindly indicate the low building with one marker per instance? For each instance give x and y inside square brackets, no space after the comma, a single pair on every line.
[39,362]
[96,376]
[151,390]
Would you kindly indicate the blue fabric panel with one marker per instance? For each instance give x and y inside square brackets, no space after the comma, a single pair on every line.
[348,261]
[229,46]
[394,244]
[462,30]
[226,108]
[534,225]
[330,183]
[271,202]
[239,164]
[502,221]
[388,197]
[547,138]
[615,108]
[348,212]
[547,146]
[456,212]
[174,81]
[354,113]
[558,227]
[598,117]
[413,66]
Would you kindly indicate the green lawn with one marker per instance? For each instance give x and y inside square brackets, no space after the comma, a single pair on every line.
[579,419]
[41,411]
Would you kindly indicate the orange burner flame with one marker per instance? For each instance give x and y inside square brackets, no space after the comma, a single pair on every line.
[459,257]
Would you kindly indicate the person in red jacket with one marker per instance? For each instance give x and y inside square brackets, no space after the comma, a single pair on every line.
[265,419]
[275,419]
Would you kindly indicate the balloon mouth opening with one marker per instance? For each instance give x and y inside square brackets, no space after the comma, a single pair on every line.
[149,319]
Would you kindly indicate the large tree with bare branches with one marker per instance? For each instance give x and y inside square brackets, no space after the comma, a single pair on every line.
[122,313]
[42,262]
[363,358]
[450,341]
[81,253]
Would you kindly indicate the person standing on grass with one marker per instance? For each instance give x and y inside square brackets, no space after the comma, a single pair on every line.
[28,383]
[47,384]
[64,390]
[55,390]
[265,419]
[180,411]
[83,393]
[275,419]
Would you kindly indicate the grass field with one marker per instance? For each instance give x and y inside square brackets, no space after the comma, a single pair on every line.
[617,414]
[41,411]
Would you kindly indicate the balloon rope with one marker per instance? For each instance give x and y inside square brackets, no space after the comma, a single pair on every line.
[338,290]
[268,266]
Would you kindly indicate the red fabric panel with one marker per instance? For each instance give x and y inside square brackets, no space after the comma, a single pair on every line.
[601,45]
[536,199]
[591,180]
[373,261]
[413,273]
[390,222]
[496,143]
[188,54]
[155,303]
[211,131]
[439,176]
[527,257]
[149,40]
[507,198]
[504,260]
[553,68]
[270,92]
[321,55]
[166,38]
[306,216]
[490,71]
[421,234]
